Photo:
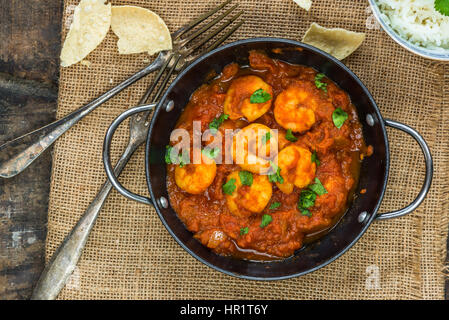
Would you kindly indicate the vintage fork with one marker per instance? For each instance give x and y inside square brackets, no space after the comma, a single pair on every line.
[63,262]
[18,154]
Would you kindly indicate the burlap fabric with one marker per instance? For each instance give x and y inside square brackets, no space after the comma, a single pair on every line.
[130,255]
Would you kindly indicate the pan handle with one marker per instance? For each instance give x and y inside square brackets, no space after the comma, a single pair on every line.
[107,157]
[429,171]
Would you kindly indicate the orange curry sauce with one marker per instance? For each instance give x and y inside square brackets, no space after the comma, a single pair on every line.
[340,152]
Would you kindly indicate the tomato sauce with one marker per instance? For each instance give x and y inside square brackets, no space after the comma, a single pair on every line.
[339,150]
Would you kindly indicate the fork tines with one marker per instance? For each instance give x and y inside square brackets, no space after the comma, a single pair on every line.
[183,54]
[215,26]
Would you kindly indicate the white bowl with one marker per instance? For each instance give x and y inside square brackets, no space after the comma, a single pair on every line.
[442,55]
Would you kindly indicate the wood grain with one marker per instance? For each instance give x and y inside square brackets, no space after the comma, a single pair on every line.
[29,63]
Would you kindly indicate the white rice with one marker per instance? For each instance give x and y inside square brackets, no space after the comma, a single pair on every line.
[417,21]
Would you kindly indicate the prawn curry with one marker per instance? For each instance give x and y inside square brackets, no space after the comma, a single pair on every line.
[276,162]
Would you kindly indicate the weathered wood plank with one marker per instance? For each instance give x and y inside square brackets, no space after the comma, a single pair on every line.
[30,37]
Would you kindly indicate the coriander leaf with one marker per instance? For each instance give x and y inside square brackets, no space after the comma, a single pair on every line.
[259,96]
[308,196]
[290,137]
[229,187]
[246,178]
[266,220]
[210,153]
[339,117]
[275,205]
[318,187]
[167,154]
[244,231]
[319,84]
[183,160]
[276,176]
[305,212]
[266,138]
[180,159]
[216,123]
[306,199]
[315,158]
[442,6]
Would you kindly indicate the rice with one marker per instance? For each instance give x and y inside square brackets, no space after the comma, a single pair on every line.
[417,21]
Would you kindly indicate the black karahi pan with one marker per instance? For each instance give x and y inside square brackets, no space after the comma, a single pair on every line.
[373,175]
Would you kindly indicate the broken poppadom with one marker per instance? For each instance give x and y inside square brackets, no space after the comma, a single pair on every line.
[139,30]
[90,25]
[336,41]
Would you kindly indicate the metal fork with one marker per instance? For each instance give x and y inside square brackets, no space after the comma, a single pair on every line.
[63,262]
[18,154]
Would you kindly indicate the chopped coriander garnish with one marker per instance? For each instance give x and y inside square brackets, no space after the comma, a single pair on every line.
[315,158]
[180,158]
[216,123]
[308,196]
[276,176]
[266,138]
[229,187]
[181,163]
[319,84]
[211,153]
[246,178]
[289,136]
[318,187]
[183,159]
[275,205]
[339,117]
[167,154]
[244,231]
[259,96]
[306,199]
[305,212]
[266,220]
[442,6]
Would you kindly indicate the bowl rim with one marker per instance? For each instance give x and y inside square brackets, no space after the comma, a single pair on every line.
[420,51]
[350,73]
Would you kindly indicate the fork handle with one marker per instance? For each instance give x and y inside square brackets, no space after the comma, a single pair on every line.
[65,259]
[18,154]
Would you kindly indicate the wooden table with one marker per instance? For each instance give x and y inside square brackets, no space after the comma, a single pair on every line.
[30,38]
[29,64]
